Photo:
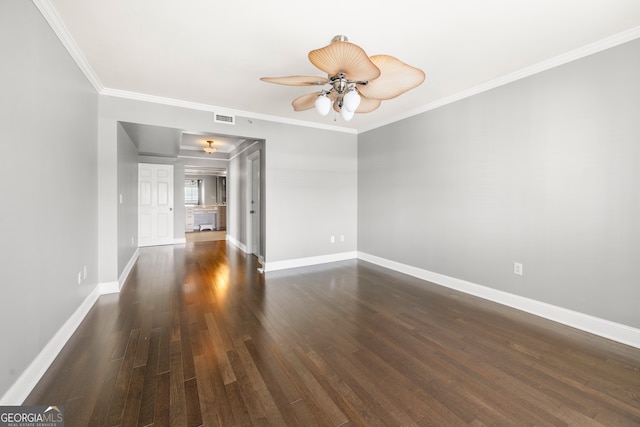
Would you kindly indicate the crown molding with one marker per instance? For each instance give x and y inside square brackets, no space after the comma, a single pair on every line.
[59,28]
[55,22]
[590,49]
[184,156]
[218,110]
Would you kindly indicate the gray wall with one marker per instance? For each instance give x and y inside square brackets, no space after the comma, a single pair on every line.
[127,199]
[543,171]
[310,174]
[312,192]
[48,182]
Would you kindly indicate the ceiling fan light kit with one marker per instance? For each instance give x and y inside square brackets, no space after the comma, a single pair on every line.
[355,83]
[351,100]
[323,104]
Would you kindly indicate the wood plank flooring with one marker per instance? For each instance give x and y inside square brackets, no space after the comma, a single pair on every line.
[205,236]
[199,337]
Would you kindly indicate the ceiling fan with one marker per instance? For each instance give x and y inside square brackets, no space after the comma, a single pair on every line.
[355,82]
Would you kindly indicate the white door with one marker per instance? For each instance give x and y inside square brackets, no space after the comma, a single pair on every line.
[254,204]
[155,204]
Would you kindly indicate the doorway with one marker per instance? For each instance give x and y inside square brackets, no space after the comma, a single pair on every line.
[205,204]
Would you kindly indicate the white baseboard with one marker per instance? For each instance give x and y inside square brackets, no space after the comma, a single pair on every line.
[127,269]
[115,287]
[20,390]
[303,262]
[179,240]
[601,327]
[109,288]
[238,244]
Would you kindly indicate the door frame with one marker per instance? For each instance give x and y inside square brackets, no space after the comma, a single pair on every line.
[254,207]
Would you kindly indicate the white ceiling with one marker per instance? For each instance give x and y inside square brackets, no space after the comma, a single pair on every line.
[214,53]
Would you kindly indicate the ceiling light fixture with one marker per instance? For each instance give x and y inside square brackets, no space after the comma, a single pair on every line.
[356,83]
[209,149]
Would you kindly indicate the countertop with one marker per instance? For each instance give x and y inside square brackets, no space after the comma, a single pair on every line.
[205,206]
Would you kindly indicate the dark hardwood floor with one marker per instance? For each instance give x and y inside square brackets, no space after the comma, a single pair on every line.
[199,337]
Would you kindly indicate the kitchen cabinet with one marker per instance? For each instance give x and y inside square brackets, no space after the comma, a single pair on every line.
[189,214]
[202,217]
[221,219]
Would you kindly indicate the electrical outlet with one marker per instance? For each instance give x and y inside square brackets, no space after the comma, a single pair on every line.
[517,268]
[333,239]
[79,277]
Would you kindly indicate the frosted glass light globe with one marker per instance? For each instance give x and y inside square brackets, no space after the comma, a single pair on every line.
[351,100]
[323,105]
[346,114]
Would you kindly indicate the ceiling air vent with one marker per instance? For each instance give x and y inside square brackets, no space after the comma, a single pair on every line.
[221,118]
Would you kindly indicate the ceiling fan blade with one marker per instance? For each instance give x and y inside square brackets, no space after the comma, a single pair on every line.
[396,78]
[344,57]
[367,105]
[305,102]
[297,80]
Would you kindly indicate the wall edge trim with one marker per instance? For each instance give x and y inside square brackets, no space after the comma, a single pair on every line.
[122,280]
[237,243]
[548,64]
[29,378]
[604,328]
[304,262]
[59,28]
[172,102]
